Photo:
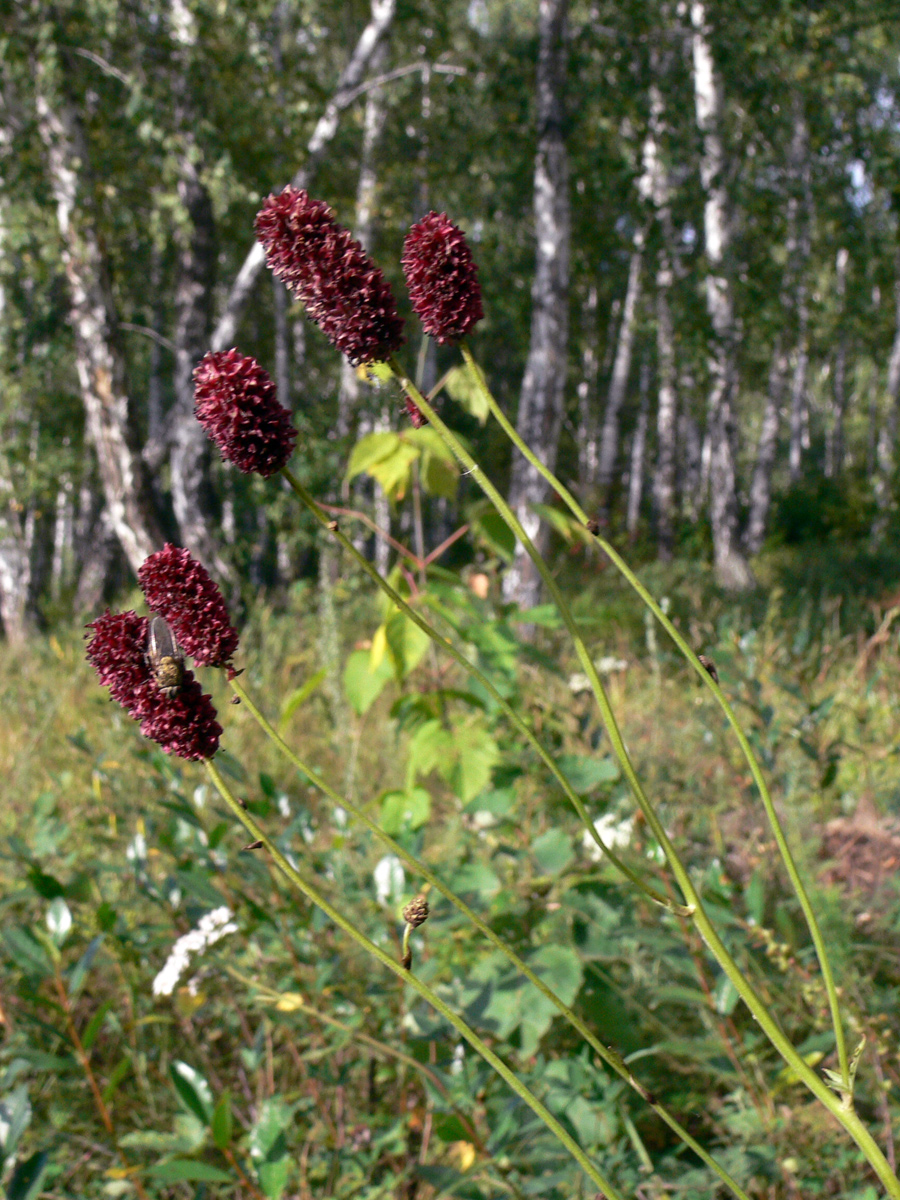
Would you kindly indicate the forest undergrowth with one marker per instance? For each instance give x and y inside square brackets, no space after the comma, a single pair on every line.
[281,1062]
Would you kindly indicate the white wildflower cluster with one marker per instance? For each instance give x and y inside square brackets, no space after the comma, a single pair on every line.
[210,928]
[614,832]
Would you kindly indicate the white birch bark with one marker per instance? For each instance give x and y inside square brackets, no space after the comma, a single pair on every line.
[886,445]
[345,93]
[99,363]
[731,567]
[797,246]
[834,444]
[638,454]
[618,384]
[588,424]
[541,400]
[657,182]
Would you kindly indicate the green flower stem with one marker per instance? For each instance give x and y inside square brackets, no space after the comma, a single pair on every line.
[446,645]
[730,715]
[769,1026]
[478,1045]
[609,1056]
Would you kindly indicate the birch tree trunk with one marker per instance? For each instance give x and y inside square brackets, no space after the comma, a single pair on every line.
[797,248]
[364,225]
[886,445]
[588,424]
[15,564]
[189,457]
[657,181]
[638,454]
[99,362]
[618,384]
[326,127]
[541,400]
[732,570]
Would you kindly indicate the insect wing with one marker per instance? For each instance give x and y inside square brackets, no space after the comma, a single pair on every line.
[160,641]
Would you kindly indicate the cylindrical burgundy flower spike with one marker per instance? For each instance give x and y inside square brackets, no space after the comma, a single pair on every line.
[442,278]
[235,402]
[179,588]
[343,291]
[185,724]
[117,652]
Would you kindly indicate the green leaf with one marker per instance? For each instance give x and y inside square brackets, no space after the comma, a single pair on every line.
[28,1176]
[193,1090]
[560,969]
[221,1122]
[462,388]
[406,642]
[121,1069]
[371,449]
[387,457]
[197,883]
[491,530]
[567,526]
[439,472]
[439,478]
[230,766]
[406,810]
[298,697]
[186,1170]
[47,886]
[79,972]
[93,1027]
[553,851]
[464,756]
[26,950]
[585,774]
[15,1116]
[450,1128]
[268,1147]
[362,685]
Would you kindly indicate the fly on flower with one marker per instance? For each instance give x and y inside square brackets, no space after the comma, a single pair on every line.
[164,658]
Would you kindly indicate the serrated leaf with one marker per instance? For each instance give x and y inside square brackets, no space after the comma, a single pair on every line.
[371,449]
[464,756]
[405,810]
[193,1090]
[462,388]
[406,642]
[221,1122]
[386,457]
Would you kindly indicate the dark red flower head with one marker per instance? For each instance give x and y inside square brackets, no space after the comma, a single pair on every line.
[442,278]
[325,267]
[179,588]
[186,724]
[235,402]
